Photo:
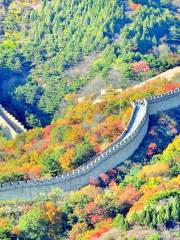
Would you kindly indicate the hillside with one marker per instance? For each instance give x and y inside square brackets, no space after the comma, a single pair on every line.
[89,120]
[45,46]
[144,205]
[83,130]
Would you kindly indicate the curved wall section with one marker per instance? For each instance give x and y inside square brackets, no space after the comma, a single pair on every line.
[121,149]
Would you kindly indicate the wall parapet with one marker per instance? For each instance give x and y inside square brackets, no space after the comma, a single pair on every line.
[122,148]
[8,120]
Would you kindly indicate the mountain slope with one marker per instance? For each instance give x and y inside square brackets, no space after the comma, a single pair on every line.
[84,129]
[144,204]
[46,38]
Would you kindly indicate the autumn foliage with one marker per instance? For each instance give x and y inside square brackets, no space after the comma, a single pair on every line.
[84,130]
[91,212]
[140,66]
[151,149]
[135,6]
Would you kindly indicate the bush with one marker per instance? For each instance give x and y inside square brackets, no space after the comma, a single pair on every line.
[154,236]
[84,151]
[33,225]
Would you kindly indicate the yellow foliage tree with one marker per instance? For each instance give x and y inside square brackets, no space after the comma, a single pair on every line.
[66,159]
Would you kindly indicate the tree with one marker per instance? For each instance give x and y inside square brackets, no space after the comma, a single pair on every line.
[5,229]
[55,216]
[120,222]
[154,236]
[32,120]
[93,181]
[140,67]
[66,159]
[33,225]
[50,161]
[83,152]
[128,195]
[94,213]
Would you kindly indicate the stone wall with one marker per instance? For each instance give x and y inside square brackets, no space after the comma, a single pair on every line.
[10,125]
[121,149]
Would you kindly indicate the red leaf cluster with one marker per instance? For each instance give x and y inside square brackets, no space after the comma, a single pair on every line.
[47,131]
[135,6]
[99,233]
[151,149]
[104,177]
[170,86]
[93,181]
[90,206]
[94,213]
[174,131]
[112,184]
[140,66]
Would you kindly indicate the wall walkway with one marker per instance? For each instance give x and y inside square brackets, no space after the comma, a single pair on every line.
[120,150]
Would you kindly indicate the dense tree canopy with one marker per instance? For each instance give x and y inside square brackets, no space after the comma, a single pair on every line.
[149,209]
[84,129]
[50,53]
[43,40]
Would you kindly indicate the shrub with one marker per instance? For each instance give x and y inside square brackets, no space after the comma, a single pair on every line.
[154,236]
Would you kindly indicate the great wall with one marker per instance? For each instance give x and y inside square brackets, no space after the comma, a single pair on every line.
[120,150]
[9,124]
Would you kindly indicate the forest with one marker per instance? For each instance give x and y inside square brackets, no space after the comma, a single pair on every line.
[56,57]
[127,209]
[84,129]
[46,39]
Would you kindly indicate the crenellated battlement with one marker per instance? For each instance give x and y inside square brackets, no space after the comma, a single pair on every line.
[118,151]
[10,125]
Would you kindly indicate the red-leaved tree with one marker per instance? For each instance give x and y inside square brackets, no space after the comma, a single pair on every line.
[140,66]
